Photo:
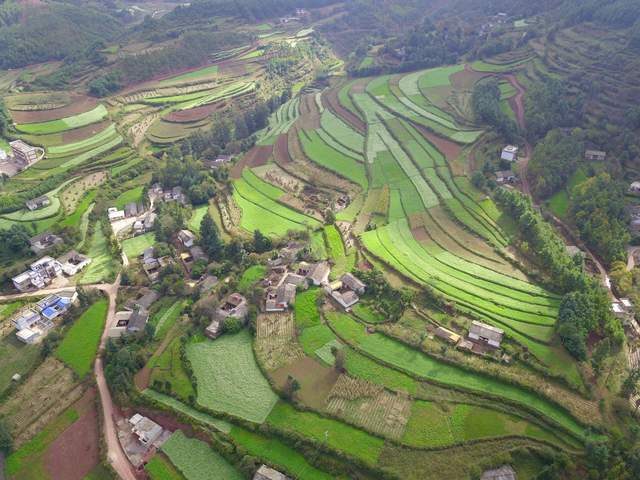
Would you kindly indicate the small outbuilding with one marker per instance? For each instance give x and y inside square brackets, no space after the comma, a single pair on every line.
[268,473]
[595,155]
[505,472]
[187,238]
[509,153]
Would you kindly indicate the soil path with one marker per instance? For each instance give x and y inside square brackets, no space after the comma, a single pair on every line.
[517,103]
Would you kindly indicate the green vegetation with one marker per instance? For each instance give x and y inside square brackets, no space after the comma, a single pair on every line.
[160,468]
[196,460]
[16,358]
[168,367]
[80,344]
[306,308]
[229,379]
[102,266]
[165,318]
[134,195]
[67,123]
[343,262]
[277,453]
[250,276]
[134,247]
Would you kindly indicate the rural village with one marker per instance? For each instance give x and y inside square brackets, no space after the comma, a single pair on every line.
[319,240]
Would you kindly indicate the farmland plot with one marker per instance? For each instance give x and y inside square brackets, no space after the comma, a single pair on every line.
[196,460]
[276,344]
[229,379]
[67,123]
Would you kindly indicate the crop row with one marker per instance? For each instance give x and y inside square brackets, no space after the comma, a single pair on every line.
[63,124]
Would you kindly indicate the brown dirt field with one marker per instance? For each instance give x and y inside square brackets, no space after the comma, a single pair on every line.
[193,114]
[310,119]
[449,149]
[281,150]
[420,234]
[77,451]
[81,133]
[258,155]
[331,99]
[233,69]
[465,79]
[316,380]
[80,104]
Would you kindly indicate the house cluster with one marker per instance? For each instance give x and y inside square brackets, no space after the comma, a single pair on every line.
[34,322]
[140,438]
[234,306]
[130,210]
[509,153]
[623,310]
[22,156]
[159,194]
[218,162]
[152,264]
[44,241]
[345,291]
[45,270]
[300,14]
[479,337]
[37,203]
[134,317]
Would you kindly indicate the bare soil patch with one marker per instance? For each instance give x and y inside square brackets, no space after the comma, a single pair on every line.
[258,155]
[420,234]
[79,104]
[82,133]
[281,150]
[448,148]
[311,118]
[194,114]
[77,451]
[316,380]
[466,79]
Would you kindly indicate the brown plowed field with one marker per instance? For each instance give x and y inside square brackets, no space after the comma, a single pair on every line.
[448,148]
[330,97]
[258,155]
[193,114]
[81,133]
[80,104]
[281,150]
[76,452]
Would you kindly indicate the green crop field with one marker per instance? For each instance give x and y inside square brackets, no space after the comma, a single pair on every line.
[86,144]
[322,154]
[306,309]
[196,218]
[196,460]
[133,195]
[134,246]
[416,363]
[63,124]
[165,318]
[15,357]
[168,367]
[160,468]
[211,71]
[102,266]
[277,453]
[340,436]
[343,262]
[229,379]
[250,276]
[80,344]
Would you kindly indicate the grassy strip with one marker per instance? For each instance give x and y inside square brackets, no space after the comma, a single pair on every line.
[80,344]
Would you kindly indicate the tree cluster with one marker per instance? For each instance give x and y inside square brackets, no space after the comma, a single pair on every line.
[598,212]
[485,101]
[554,160]
[386,300]
[180,170]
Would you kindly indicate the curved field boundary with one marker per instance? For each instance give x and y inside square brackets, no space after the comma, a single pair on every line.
[415,363]
[341,132]
[87,144]
[333,143]
[67,123]
[319,152]
[341,104]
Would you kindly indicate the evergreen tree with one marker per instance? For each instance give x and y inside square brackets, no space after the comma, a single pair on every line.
[261,243]
[211,242]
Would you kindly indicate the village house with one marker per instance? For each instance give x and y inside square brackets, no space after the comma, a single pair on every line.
[485,334]
[345,290]
[149,221]
[30,326]
[295,279]
[214,329]
[44,241]
[41,273]
[634,188]
[207,283]
[346,299]
[138,227]
[352,282]
[505,472]
[218,162]
[509,153]
[145,429]
[234,306]
[447,335]
[280,298]
[505,176]
[286,255]
[38,202]
[268,473]
[174,194]
[25,153]
[129,321]
[152,265]
[317,273]
[144,301]
[595,155]
[73,262]
[114,214]
[187,238]
[53,306]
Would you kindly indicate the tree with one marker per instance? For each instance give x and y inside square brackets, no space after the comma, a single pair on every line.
[291,387]
[261,243]
[211,242]
[14,240]
[329,217]
[338,355]
[6,440]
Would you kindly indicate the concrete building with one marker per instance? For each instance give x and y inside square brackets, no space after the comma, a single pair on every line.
[235,305]
[73,262]
[187,238]
[509,153]
[145,429]
[41,274]
[485,334]
[25,153]
[114,214]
